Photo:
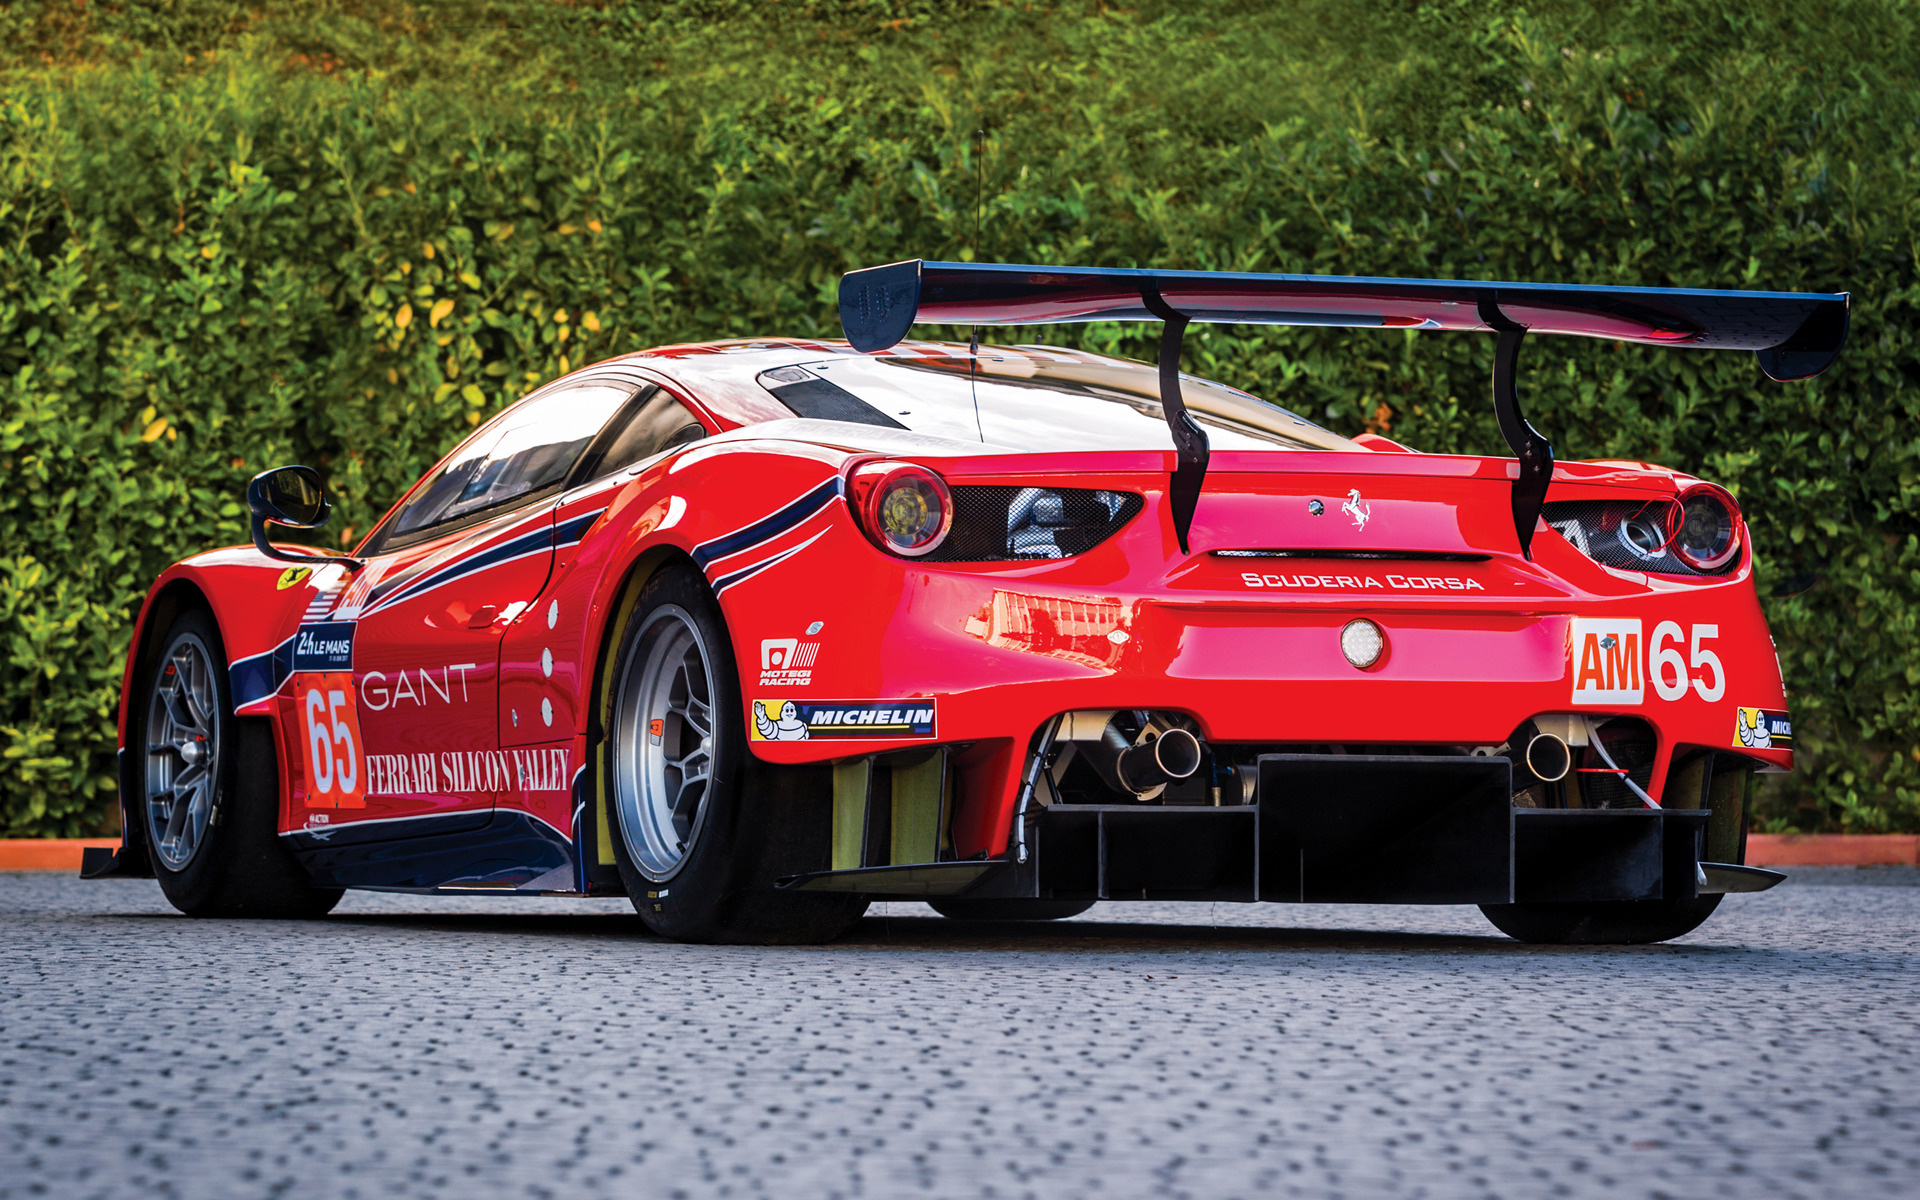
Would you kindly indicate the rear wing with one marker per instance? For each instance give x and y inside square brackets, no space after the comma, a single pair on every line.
[1793,335]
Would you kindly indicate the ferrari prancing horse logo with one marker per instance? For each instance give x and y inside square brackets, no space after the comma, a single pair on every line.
[1355,509]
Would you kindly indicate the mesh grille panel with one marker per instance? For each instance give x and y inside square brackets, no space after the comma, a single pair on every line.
[1627,534]
[1000,524]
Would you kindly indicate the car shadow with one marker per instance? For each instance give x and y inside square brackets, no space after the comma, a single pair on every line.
[898,933]
[919,933]
[893,932]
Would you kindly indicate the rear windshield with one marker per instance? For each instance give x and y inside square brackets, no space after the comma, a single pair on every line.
[1033,399]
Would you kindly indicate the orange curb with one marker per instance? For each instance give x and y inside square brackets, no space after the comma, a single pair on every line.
[1763,850]
[47,854]
[1833,849]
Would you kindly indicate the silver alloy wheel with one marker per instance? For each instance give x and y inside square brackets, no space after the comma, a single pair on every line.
[663,741]
[183,752]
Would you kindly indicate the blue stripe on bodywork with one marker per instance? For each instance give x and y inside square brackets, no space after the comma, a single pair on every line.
[748,572]
[260,675]
[569,532]
[773,526]
[566,534]
[526,543]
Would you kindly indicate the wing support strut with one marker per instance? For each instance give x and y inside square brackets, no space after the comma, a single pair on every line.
[1534,451]
[1190,446]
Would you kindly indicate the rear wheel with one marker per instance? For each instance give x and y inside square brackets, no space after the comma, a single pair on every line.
[703,828]
[211,796]
[1615,923]
[1009,910]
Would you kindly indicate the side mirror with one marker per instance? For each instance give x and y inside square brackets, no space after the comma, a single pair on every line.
[290,496]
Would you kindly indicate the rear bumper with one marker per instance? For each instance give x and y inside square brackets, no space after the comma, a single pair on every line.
[988,665]
[1333,829]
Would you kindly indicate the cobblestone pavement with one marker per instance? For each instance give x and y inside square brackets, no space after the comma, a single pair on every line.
[462,1048]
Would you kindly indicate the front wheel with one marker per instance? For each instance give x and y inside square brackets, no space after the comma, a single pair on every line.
[703,828]
[211,796]
[1608,923]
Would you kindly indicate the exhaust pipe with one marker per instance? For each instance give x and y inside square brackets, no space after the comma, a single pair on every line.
[1145,767]
[1547,758]
[1175,754]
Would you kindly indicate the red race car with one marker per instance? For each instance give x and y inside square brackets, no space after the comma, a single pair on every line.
[755,632]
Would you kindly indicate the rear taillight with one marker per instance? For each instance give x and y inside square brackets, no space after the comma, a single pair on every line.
[903,508]
[1707,533]
[1697,533]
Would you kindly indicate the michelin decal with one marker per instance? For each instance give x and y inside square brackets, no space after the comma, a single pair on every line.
[1762,729]
[800,720]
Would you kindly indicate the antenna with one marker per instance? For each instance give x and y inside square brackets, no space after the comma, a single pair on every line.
[979,207]
[979,186]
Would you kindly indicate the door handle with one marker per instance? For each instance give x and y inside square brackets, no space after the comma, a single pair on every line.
[483,616]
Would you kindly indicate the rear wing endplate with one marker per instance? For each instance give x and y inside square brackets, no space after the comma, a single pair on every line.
[1794,335]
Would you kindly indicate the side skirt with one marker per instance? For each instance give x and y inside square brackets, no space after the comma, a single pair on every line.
[440,853]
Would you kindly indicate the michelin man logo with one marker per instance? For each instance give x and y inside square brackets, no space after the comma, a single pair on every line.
[1754,730]
[788,728]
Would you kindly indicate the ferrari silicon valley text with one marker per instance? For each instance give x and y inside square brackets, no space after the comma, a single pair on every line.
[467,771]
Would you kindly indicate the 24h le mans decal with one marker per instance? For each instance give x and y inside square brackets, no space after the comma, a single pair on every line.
[328,712]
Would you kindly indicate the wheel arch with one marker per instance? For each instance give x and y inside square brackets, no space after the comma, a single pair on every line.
[650,561]
[169,599]
[238,588]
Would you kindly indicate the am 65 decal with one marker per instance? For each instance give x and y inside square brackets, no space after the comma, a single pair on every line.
[1613,663]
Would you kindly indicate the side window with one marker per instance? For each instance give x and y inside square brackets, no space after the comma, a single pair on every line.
[659,422]
[529,450]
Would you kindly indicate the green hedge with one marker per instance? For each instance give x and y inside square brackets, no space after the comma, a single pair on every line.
[340,234]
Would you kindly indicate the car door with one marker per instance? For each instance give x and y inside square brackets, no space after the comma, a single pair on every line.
[401,728]
[545,661]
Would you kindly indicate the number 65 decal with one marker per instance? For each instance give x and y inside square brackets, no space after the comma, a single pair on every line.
[1671,673]
[1612,665]
[330,717]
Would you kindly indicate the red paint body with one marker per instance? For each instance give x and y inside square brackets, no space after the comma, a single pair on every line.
[498,666]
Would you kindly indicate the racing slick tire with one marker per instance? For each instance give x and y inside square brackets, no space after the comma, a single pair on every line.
[702,829]
[1606,923]
[210,788]
[1009,910]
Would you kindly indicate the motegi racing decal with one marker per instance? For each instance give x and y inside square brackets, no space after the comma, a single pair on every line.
[798,720]
[1762,729]
[787,662]
[1612,664]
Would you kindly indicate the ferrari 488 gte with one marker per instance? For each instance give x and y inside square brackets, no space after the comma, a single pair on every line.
[754,632]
